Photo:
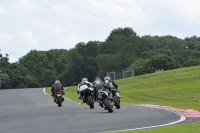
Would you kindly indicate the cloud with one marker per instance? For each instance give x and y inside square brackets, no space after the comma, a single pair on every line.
[48,27]
[187,9]
[28,37]
[98,12]
[5,38]
[2,11]
[26,5]
[50,24]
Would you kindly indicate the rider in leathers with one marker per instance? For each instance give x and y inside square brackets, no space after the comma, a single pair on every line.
[111,83]
[98,84]
[57,87]
[84,82]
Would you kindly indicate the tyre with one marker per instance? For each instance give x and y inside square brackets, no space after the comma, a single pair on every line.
[107,105]
[59,101]
[116,101]
[90,102]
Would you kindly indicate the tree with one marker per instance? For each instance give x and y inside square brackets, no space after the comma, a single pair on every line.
[149,54]
[31,82]
[161,61]
[126,32]
[107,63]
[116,41]
[139,66]
[48,77]
[5,81]
[59,59]
[36,62]
[17,73]
[76,67]
[191,62]
[4,62]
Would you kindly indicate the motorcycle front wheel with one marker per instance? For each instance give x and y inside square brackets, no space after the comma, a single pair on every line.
[90,102]
[107,105]
[116,101]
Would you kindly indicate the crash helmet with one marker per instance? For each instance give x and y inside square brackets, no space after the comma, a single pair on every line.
[106,78]
[97,78]
[57,82]
[84,79]
[96,82]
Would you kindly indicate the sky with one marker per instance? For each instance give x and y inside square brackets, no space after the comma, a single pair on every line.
[60,24]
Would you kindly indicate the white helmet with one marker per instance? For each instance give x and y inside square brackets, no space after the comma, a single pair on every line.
[106,78]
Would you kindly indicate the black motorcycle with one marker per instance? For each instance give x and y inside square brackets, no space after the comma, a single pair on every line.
[59,98]
[105,101]
[116,99]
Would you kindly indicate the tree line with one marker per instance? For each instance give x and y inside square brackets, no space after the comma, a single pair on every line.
[123,49]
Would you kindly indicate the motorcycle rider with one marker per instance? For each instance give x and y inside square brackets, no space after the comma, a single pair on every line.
[98,84]
[79,91]
[57,87]
[97,79]
[111,83]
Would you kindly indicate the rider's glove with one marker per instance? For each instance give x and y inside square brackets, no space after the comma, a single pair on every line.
[78,92]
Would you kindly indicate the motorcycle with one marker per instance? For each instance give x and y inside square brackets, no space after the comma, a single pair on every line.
[115,97]
[59,99]
[105,101]
[87,92]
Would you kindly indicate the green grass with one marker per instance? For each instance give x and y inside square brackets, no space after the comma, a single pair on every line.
[177,88]
[181,128]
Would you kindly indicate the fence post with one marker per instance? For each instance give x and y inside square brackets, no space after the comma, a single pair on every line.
[114,74]
[123,73]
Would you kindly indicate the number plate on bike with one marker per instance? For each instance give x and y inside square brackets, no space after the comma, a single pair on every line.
[58,95]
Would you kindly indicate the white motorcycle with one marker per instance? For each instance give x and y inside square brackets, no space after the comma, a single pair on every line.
[87,92]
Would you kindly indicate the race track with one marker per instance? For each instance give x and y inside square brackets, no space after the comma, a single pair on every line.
[32,111]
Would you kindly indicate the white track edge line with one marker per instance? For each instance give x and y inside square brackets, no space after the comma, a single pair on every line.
[65,97]
[182,118]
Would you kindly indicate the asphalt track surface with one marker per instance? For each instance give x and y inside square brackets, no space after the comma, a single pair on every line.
[32,111]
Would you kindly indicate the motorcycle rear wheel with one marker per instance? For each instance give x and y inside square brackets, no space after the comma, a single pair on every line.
[59,101]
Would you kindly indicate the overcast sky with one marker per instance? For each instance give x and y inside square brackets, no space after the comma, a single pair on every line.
[60,24]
